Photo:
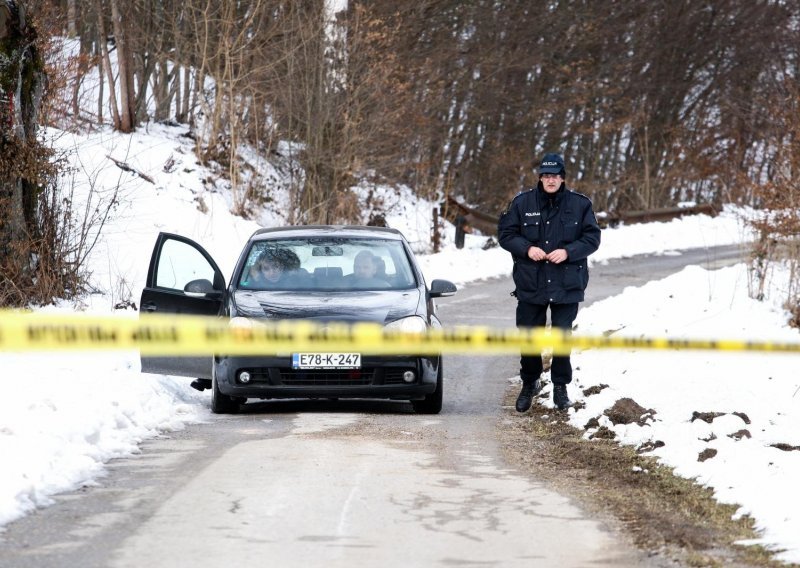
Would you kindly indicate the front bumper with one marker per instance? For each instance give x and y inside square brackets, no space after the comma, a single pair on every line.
[379,377]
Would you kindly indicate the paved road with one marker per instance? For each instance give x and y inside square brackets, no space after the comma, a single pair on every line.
[309,483]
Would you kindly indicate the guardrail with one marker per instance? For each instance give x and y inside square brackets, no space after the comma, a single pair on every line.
[466,218]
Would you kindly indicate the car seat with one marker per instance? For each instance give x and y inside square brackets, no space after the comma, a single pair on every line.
[380,268]
[328,276]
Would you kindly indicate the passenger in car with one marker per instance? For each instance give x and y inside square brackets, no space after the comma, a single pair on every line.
[294,275]
[365,269]
[278,268]
[267,272]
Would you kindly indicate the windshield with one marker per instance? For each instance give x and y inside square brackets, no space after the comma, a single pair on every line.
[325,263]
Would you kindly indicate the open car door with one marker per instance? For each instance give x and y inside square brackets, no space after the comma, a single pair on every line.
[182,279]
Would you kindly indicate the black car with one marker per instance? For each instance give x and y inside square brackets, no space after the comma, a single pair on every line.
[317,273]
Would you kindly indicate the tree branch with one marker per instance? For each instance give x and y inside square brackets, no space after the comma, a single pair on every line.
[126,168]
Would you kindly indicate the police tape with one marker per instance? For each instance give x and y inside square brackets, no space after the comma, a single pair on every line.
[156,335]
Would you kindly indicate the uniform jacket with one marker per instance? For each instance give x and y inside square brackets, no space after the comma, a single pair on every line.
[565,221]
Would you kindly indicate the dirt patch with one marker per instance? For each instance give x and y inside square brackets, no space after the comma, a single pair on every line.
[628,411]
[665,515]
[710,416]
[786,447]
[706,454]
[596,389]
[603,433]
[738,435]
[707,417]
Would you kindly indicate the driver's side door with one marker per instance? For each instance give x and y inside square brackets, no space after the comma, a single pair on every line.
[182,279]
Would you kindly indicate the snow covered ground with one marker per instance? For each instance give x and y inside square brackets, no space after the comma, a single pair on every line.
[62,417]
[730,420]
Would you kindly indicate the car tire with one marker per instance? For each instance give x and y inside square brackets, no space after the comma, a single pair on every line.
[221,403]
[432,403]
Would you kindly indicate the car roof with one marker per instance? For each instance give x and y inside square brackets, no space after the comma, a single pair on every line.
[328,231]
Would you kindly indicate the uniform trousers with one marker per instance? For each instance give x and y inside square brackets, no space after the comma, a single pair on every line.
[535,315]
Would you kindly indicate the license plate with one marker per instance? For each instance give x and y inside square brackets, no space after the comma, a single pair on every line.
[326,360]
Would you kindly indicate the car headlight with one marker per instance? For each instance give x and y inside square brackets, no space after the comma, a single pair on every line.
[413,324]
[246,323]
[249,323]
[256,325]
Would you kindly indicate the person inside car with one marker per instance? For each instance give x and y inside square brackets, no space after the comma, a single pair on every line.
[276,268]
[268,271]
[365,268]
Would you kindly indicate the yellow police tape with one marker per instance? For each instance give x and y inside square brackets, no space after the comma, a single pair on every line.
[201,335]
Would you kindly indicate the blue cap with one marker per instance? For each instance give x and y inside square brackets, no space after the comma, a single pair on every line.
[552,164]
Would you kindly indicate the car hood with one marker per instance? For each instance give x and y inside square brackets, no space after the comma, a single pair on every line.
[379,306]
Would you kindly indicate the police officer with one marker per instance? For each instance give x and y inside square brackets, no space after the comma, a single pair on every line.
[550,231]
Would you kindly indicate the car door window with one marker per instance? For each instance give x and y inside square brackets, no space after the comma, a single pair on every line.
[181,263]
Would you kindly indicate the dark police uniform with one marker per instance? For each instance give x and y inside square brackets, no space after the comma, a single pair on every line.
[561,220]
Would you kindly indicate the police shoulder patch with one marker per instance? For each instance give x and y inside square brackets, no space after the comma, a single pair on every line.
[579,194]
[513,199]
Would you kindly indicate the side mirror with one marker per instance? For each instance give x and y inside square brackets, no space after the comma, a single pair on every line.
[200,288]
[442,288]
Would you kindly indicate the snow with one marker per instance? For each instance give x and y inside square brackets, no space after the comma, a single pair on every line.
[756,394]
[62,417]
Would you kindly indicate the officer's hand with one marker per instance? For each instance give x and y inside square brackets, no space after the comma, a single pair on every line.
[536,254]
[557,256]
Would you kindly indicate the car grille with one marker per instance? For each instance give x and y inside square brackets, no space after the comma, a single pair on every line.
[334,377]
[331,377]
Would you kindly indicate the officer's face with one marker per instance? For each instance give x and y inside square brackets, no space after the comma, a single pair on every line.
[551,182]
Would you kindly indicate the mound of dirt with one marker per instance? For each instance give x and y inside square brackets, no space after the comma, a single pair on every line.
[628,411]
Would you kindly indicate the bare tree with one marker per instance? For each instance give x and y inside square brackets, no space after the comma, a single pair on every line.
[776,191]
[24,160]
[72,15]
[650,102]
[21,91]
[127,94]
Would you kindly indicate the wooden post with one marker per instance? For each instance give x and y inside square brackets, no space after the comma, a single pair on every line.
[436,239]
[461,224]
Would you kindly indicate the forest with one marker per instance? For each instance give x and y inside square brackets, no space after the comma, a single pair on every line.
[652,103]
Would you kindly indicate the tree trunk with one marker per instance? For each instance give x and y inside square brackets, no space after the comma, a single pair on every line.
[106,59]
[127,98]
[72,14]
[22,81]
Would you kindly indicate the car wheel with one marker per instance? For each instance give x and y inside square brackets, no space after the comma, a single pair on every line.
[432,403]
[221,403]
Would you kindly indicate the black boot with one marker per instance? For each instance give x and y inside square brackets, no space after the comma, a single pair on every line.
[529,390]
[560,397]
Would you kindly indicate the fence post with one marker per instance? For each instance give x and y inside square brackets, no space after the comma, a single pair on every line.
[460,225]
[436,238]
